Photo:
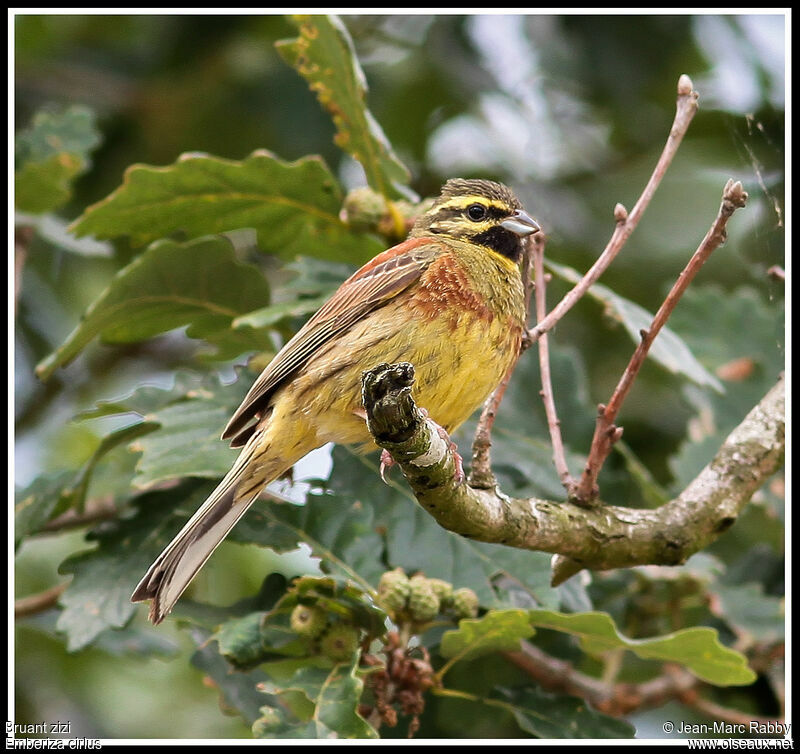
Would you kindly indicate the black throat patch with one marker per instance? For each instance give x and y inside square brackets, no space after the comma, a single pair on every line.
[502,241]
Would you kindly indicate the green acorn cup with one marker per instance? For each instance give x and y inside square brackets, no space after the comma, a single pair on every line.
[423,604]
[393,589]
[465,603]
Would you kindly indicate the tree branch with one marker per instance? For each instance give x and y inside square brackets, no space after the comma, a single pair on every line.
[481,475]
[606,433]
[597,538]
[553,424]
[619,699]
[38,603]
[627,221]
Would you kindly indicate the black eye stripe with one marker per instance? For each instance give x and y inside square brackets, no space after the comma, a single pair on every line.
[492,212]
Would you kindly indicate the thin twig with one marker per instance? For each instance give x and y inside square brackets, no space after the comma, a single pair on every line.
[716,711]
[615,699]
[23,236]
[619,699]
[606,433]
[94,512]
[481,475]
[553,424]
[627,222]
[38,603]
[776,272]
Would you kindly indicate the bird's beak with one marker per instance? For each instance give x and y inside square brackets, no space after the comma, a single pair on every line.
[521,223]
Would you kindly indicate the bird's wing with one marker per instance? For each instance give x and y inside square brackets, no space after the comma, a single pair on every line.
[377,282]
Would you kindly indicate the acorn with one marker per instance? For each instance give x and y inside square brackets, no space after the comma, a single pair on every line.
[423,604]
[465,603]
[443,590]
[308,620]
[393,589]
[339,642]
[364,208]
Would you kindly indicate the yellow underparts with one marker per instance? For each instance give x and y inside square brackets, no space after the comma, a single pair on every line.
[457,364]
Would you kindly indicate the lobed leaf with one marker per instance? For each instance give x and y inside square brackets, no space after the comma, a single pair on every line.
[757,349]
[44,498]
[238,691]
[334,695]
[497,631]
[49,155]
[293,206]
[749,611]
[103,579]
[199,283]
[43,186]
[323,54]
[553,716]
[698,649]
[48,496]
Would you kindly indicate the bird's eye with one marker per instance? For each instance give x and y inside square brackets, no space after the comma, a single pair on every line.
[476,212]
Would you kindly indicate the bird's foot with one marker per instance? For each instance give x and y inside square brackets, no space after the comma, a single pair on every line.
[458,460]
[386,463]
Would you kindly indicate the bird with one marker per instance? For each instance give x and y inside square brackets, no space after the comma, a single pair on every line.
[449,300]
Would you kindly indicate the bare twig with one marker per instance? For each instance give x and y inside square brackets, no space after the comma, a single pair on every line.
[615,699]
[619,699]
[716,711]
[553,424]
[23,236]
[481,475]
[94,511]
[627,222]
[38,603]
[777,273]
[606,433]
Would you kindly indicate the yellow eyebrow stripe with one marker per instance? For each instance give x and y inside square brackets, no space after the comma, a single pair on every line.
[462,202]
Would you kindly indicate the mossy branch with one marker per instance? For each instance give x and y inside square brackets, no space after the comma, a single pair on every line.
[599,538]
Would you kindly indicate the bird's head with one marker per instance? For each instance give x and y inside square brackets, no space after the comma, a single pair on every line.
[480,212]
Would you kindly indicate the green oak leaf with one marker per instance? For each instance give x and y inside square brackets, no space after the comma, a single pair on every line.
[103,579]
[49,154]
[44,498]
[497,631]
[554,716]
[238,690]
[200,283]
[323,54]
[334,695]
[43,186]
[49,496]
[293,206]
[698,649]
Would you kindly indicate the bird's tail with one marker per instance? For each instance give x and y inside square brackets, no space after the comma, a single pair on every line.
[172,571]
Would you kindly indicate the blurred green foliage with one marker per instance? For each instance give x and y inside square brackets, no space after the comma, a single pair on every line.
[572,111]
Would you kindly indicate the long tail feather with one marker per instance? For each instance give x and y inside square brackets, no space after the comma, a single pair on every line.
[174,569]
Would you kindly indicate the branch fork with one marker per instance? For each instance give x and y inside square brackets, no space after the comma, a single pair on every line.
[582,532]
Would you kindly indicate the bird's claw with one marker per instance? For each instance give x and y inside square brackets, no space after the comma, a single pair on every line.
[457,459]
[386,463]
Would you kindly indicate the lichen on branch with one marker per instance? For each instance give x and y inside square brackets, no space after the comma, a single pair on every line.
[598,538]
